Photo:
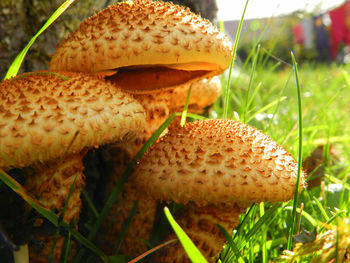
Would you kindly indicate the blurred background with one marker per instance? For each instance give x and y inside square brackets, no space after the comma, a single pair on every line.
[317,31]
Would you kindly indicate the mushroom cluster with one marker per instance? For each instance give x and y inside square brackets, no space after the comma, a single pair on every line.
[156,51]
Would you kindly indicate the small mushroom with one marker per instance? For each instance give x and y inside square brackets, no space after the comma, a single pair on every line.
[48,120]
[144,46]
[204,93]
[215,166]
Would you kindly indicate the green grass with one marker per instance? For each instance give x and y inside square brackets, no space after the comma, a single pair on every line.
[324,93]
[276,98]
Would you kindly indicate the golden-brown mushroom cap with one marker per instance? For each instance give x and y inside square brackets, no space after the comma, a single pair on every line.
[41,112]
[151,45]
[220,162]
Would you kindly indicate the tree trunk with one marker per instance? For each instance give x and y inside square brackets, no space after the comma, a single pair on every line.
[20,20]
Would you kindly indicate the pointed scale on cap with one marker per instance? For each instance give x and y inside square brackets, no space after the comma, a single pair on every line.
[220,162]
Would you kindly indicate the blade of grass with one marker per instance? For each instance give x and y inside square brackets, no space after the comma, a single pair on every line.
[272,47]
[48,214]
[184,112]
[126,226]
[249,100]
[17,188]
[306,215]
[66,247]
[16,64]
[332,218]
[196,116]
[337,181]
[192,251]
[263,235]
[89,203]
[266,219]
[119,185]
[320,207]
[346,77]
[255,43]
[152,250]
[231,243]
[266,107]
[60,219]
[300,154]
[235,46]
[268,127]
[244,221]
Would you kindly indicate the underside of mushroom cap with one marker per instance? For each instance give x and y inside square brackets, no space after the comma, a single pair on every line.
[220,162]
[45,115]
[156,43]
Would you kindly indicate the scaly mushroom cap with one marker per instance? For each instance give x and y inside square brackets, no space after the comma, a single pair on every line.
[41,112]
[150,44]
[220,162]
[204,92]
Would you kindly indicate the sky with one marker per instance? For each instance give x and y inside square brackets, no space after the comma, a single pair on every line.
[233,9]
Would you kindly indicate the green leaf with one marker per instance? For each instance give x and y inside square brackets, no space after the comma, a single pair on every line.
[16,64]
[192,251]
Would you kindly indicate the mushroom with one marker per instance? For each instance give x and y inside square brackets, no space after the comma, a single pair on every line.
[218,168]
[145,46]
[204,92]
[48,120]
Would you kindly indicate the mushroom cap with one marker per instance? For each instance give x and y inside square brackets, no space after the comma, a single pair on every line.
[204,92]
[220,162]
[41,113]
[145,34]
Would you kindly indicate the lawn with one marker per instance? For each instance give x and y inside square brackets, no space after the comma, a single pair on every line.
[325,204]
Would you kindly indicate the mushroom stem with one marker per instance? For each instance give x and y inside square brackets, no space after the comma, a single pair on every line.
[200,224]
[51,184]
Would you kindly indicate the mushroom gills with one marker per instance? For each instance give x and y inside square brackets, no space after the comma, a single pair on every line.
[145,78]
